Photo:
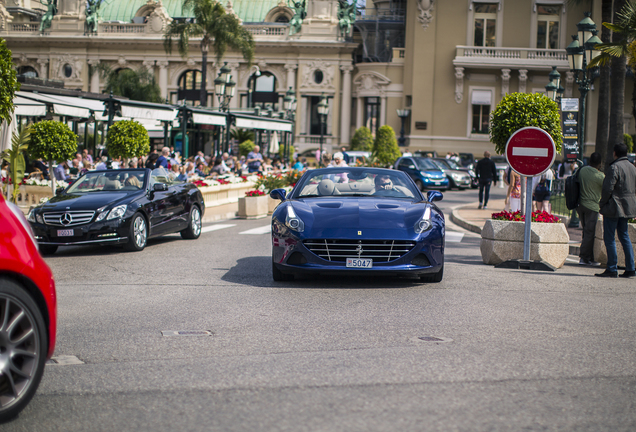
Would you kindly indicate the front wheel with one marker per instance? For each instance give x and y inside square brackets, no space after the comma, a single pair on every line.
[433,277]
[193,231]
[23,348]
[138,235]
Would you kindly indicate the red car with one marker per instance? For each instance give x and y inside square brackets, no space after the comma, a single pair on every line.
[28,312]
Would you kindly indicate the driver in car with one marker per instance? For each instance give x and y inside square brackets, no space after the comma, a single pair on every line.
[383,183]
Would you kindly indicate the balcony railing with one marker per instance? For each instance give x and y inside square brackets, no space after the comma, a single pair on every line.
[122,28]
[259,30]
[500,57]
[24,27]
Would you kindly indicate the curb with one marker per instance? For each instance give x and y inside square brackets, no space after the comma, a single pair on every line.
[574,248]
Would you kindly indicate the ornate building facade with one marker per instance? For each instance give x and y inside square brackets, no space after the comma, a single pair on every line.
[443,64]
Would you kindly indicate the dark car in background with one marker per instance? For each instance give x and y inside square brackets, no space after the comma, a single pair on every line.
[118,207]
[424,172]
[28,312]
[467,160]
[457,178]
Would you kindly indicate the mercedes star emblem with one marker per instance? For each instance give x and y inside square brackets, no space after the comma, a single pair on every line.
[66,219]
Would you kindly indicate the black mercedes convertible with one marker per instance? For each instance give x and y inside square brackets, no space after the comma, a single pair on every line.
[118,207]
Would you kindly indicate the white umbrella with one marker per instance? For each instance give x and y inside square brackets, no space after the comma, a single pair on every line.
[273,145]
[6,133]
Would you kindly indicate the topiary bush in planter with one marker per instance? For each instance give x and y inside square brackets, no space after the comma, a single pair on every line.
[362,139]
[385,147]
[127,139]
[52,140]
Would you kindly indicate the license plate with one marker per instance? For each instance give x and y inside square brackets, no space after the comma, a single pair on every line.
[359,263]
[65,233]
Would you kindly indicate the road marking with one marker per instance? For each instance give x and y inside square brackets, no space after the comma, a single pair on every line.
[261,230]
[64,360]
[216,227]
[454,237]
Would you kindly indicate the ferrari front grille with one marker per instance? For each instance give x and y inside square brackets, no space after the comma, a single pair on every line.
[378,250]
[68,218]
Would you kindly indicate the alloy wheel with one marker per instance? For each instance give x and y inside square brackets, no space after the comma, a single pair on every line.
[20,350]
[139,232]
[196,221]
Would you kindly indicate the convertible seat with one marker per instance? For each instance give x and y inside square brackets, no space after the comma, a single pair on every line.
[112,185]
[326,187]
[355,187]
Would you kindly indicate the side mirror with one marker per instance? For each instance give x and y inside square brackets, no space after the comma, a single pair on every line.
[160,187]
[59,190]
[411,166]
[278,194]
[434,196]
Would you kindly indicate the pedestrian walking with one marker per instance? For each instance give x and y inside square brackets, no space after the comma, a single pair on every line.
[486,172]
[590,187]
[513,197]
[618,205]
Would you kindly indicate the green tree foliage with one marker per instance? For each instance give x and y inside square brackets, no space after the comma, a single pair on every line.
[629,142]
[242,135]
[52,140]
[127,139]
[385,147]
[137,84]
[15,157]
[362,139]
[8,82]
[518,110]
[245,147]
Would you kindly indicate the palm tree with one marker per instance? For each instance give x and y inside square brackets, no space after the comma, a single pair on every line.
[215,27]
[602,116]
[137,84]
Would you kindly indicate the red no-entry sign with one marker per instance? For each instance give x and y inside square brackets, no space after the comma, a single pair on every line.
[530,151]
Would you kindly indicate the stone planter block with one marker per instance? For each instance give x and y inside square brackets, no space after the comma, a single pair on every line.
[503,240]
[253,207]
[272,204]
[600,253]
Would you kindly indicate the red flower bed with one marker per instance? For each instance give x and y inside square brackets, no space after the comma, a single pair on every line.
[254,193]
[543,217]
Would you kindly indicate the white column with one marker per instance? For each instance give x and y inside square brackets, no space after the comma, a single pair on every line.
[163,78]
[569,82]
[382,109]
[150,65]
[459,84]
[523,79]
[44,68]
[345,110]
[359,112]
[505,82]
[234,102]
[291,75]
[95,76]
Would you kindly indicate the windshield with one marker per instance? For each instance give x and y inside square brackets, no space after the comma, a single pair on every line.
[451,163]
[344,182]
[426,164]
[162,175]
[111,180]
[443,164]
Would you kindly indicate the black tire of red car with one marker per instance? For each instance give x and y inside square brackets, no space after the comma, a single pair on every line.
[419,185]
[279,276]
[433,277]
[22,357]
[193,231]
[47,249]
[138,235]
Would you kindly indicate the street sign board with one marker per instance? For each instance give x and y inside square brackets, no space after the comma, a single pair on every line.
[570,127]
[530,151]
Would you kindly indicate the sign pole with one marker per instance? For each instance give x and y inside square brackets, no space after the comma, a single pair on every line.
[528,225]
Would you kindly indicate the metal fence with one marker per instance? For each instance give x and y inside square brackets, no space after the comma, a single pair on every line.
[557,198]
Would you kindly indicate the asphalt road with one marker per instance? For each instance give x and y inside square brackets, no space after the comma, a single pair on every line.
[503,350]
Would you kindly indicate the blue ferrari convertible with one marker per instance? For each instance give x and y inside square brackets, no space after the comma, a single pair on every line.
[363,221]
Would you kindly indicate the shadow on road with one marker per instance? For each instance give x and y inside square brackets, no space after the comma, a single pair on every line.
[105,250]
[257,271]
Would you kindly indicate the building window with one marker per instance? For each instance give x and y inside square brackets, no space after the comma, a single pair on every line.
[372,114]
[27,72]
[485,24]
[190,87]
[548,21]
[481,103]
[68,70]
[263,91]
[282,19]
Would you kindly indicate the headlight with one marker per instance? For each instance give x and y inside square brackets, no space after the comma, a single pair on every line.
[39,218]
[293,221]
[425,223]
[116,212]
[456,176]
[31,217]
[472,173]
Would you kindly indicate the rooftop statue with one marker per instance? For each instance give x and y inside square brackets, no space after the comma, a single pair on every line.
[300,12]
[346,16]
[51,10]
[92,11]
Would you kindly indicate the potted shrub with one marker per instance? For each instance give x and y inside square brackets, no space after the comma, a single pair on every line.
[253,205]
[502,238]
[52,140]
[385,147]
[127,139]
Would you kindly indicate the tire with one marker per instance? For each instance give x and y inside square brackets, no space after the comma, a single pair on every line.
[279,276]
[419,185]
[138,235]
[22,361]
[47,249]
[433,277]
[193,231]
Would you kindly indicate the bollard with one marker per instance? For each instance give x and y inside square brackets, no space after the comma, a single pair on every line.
[502,173]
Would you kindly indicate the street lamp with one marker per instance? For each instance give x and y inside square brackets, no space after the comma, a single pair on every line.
[323,111]
[403,114]
[224,88]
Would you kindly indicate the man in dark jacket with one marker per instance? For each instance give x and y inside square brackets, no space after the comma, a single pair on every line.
[618,205]
[486,172]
